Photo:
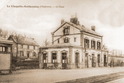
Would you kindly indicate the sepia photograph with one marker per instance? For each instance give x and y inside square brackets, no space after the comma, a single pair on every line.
[61,41]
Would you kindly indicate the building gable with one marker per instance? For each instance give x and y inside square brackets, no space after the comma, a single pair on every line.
[72,29]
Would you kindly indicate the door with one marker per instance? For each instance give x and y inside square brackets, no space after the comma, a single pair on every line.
[76,60]
[93,61]
[44,60]
[105,60]
[86,60]
[64,60]
[98,59]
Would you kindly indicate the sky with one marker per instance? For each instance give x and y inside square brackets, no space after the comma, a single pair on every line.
[106,15]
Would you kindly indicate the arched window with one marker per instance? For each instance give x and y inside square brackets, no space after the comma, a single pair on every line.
[66,40]
[86,43]
[92,44]
[66,30]
[44,57]
[54,57]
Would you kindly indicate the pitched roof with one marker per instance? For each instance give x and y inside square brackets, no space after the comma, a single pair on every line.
[5,41]
[23,40]
[81,28]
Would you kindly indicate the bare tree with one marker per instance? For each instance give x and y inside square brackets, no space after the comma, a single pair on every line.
[3,33]
[46,42]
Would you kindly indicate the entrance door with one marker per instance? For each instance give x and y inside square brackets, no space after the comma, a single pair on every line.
[93,61]
[64,60]
[105,60]
[86,60]
[54,60]
[98,59]
[45,60]
[76,60]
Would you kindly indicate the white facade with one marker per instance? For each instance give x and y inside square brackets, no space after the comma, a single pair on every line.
[83,47]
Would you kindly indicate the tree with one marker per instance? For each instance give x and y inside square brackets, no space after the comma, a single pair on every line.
[46,42]
[3,33]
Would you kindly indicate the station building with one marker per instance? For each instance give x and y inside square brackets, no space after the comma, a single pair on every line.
[74,46]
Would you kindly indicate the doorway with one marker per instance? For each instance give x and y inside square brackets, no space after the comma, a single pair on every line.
[86,60]
[98,60]
[76,60]
[44,60]
[105,60]
[64,60]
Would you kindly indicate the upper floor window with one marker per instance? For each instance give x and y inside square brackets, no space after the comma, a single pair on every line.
[58,40]
[98,45]
[21,53]
[34,54]
[28,46]
[92,44]
[74,39]
[34,47]
[66,40]
[66,30]
[86,43]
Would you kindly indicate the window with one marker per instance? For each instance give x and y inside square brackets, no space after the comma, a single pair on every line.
[34,54]
[64,55]
[54,57]
[34,47]
[98,45]
[74,39]
[28,46]
[28,54]
[21,53]
[92,44]
[1,49]
[66,40]
[58,40]
[66,30]
[86,43]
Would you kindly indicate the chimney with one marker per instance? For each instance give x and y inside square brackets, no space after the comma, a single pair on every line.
[62,21]
[93,28]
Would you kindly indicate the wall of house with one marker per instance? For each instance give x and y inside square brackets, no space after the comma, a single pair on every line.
[27,48]
[74,33]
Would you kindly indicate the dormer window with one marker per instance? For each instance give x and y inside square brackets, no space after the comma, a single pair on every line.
[66,40]
[66,30]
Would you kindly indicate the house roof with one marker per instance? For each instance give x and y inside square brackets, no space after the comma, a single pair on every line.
[81,28]
[23,40]
[5,41]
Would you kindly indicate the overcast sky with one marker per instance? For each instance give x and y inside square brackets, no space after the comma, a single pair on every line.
[106,15]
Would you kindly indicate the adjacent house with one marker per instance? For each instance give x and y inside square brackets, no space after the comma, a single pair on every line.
[74,46]
[24,48]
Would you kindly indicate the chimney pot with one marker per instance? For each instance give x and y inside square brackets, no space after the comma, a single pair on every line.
[93,28]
